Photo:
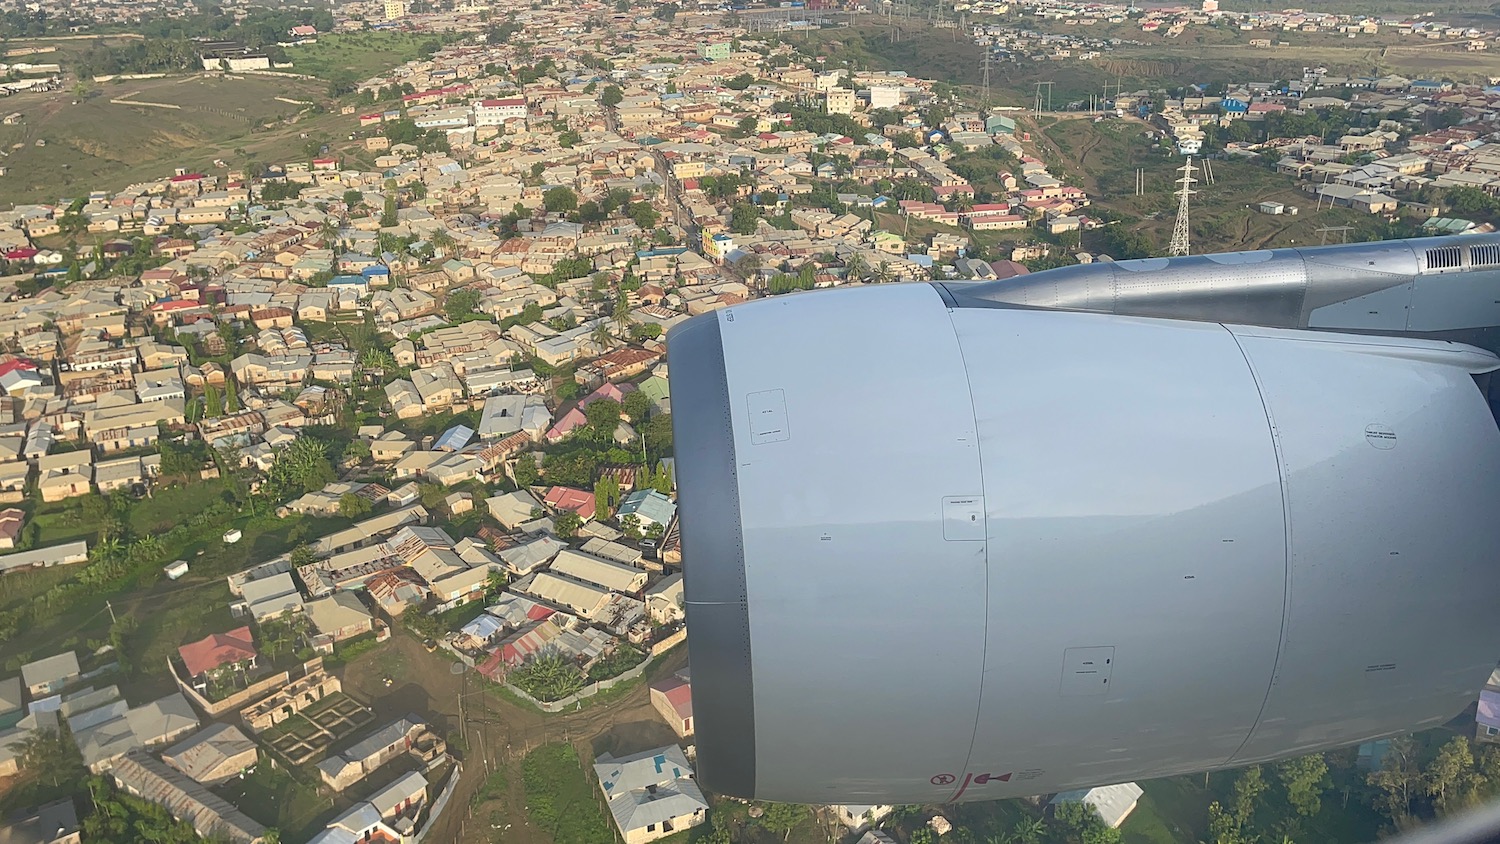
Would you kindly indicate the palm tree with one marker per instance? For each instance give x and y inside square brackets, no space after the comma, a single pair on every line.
[622,311]
[857,266]
[1029,830]
[883,272]
[602,336]
[146,548]
[328,230]
[106,549]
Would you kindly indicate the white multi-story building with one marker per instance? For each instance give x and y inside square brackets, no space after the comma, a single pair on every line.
[496,112]
[885,96]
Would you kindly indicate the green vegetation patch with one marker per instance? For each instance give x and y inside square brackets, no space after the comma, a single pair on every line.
[277,799]
[359,55]
[561,797]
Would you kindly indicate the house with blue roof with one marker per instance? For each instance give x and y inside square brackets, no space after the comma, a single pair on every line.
[454,439]
[649,508]
[652,794]
[359,284]
[377,276]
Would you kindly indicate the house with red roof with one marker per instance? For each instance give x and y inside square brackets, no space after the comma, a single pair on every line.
[578,501]
[673,698]
[575,418]
[12,519]
[217,650]
[176,311]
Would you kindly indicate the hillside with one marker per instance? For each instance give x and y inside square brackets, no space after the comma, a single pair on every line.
[97,142]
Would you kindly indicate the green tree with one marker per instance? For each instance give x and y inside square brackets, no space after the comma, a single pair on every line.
[643,215]
[525,471]
[1223,827]
[302,466]
[603,416]
[606,497]
[432,494]
[569,139]
[548,677]
[1122,243]
[744,218]
[461,303]
[636,405]
[567,524]
[1451,772]
[658,435]
[631,526]
[1303,779]
[49,755]
[304,554]
[352,506]
[644,331]
[388,215]
[1028,830]
[1246,794]
[1397,781]
[782,818]
[495,583]
[1471,201]
[559,199]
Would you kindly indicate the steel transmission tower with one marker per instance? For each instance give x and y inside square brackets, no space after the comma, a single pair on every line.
[1181,245]
[987,77]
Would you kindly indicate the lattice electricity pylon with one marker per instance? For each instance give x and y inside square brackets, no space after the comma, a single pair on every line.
[1181,245]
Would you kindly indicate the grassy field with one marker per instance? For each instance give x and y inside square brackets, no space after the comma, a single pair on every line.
[95,144]
[1199,55]
[360,55]
[1102,158]
[163,614]
[1171,811]
[561,798]
[272,797]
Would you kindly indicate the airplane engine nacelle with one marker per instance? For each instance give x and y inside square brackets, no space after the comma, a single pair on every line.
[939,553]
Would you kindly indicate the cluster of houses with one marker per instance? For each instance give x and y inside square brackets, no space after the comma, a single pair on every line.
[184,750]
[1172,21]
[578,211]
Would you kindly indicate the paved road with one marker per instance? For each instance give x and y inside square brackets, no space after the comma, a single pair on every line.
[672,192]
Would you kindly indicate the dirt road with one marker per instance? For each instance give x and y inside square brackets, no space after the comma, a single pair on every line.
[500,732]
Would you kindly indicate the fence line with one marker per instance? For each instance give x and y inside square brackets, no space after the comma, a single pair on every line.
[126,102]
[593,688]
[442,801]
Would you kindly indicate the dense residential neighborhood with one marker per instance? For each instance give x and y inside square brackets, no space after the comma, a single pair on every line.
[410,399]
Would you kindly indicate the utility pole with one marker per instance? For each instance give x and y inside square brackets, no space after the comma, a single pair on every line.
[111,608]
[1181,245]
[1038,105]
[1342,230]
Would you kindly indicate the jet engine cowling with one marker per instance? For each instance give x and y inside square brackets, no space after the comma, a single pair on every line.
[937,552]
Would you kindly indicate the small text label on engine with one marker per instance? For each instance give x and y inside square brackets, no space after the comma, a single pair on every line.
[768,422]
[1086,671]
[1380,436]
[963,518]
